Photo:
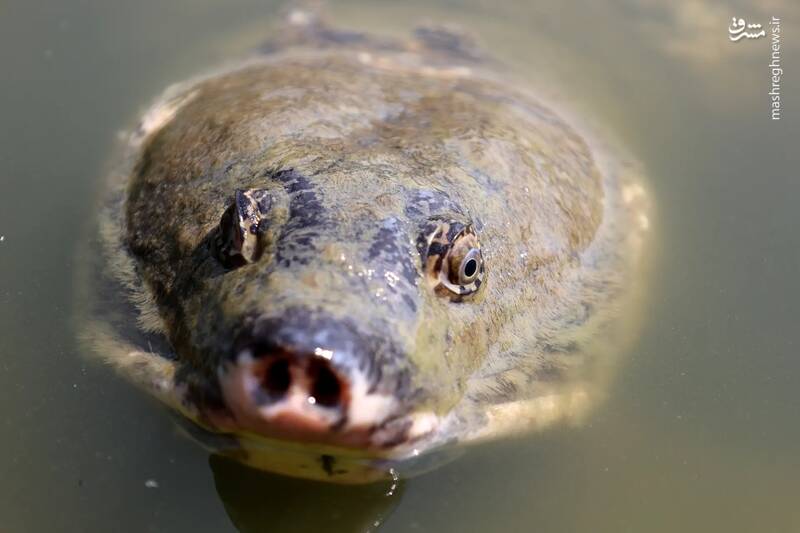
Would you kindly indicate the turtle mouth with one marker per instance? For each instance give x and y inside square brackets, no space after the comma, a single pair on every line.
[306,377]
[304,398]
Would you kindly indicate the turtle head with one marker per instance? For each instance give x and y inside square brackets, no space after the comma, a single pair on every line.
[325,320]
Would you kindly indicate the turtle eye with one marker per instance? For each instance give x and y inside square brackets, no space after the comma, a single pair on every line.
[453,260]
[240,237]
[467,268]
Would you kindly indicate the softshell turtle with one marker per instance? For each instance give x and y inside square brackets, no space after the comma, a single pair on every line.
[347,252]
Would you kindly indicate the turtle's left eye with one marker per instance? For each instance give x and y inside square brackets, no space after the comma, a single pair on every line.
[453,260]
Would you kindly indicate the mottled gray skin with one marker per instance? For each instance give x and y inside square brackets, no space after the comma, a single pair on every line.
[361,149]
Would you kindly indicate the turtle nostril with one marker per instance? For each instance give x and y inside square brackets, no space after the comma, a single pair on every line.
[326,388]
[277,378]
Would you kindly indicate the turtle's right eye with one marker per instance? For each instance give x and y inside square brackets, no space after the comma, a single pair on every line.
[242,227]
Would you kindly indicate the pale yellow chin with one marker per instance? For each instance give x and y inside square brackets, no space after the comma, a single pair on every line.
[333,463]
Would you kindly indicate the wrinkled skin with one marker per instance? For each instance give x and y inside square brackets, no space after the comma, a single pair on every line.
[282,228]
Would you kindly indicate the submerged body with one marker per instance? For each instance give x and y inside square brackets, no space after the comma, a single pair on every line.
[345,253]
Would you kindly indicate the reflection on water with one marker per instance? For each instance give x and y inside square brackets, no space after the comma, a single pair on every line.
[700,430]
[258,501]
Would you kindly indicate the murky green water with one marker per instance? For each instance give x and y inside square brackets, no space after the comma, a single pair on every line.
[701,431]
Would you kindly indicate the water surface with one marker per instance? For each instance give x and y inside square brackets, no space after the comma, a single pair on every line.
[701,429]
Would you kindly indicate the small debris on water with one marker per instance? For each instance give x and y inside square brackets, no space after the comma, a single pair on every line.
[395,479]
[2,238]
[151,484]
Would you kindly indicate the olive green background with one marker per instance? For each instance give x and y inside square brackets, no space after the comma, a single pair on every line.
[701,428]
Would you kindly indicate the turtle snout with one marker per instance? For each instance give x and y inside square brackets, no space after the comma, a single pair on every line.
[303,384]
[309,377]
[285,393]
